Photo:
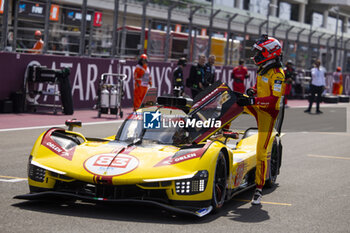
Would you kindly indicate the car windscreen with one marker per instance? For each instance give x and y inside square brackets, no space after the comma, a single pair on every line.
[169,133]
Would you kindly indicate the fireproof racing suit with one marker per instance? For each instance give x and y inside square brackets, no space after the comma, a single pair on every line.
[337,83]
[142,80]
[269,90]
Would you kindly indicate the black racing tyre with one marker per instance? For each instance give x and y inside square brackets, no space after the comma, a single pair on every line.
[66,96]
[275,164]
[220,182]
[331,99]
[344,99]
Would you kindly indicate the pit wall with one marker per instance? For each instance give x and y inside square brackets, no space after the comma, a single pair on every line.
[86,73]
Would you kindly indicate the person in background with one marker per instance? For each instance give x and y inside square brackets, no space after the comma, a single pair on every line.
[337,82]
[178,77]
[238,75]
[290,75]
[210,71]
[39,44]
[317,86]
[264,102]
[142,80]
[197,76]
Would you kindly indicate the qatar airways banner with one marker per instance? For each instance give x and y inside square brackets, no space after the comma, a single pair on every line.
[86,73]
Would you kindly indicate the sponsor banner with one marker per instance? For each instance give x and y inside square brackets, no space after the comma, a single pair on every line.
[86,73]
[178,28]
[98,19]
[73,17]
[2,6]
[54,12]
[31,10]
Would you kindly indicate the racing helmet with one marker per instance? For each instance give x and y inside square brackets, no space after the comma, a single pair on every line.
[37,33]
[266,48]
[144,56]
[182,62]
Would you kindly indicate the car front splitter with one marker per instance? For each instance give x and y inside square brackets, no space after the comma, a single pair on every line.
[49,194]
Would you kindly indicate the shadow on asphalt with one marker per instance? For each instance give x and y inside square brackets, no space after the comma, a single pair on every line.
[235,209]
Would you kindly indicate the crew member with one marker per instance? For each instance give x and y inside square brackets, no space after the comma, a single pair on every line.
[318,83]
[178,77]
[209,71]
[39,44]
[337,82]
[142,80]
[264,102]
[290,74]
[238,75]
[197,76]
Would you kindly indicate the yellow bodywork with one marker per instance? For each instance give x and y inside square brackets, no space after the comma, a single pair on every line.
[241,158]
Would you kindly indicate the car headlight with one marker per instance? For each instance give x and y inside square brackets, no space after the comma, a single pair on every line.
[34,172]
[196,184]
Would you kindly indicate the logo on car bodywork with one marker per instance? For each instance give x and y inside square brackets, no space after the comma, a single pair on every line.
[111,164]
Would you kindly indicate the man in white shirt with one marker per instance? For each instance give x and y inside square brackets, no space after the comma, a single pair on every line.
[317,86]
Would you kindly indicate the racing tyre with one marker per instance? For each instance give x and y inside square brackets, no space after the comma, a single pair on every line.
[220,182]
[344,99]
[275,164]
[330,99]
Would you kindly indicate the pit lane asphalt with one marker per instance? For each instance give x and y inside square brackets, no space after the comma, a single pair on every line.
[312,195]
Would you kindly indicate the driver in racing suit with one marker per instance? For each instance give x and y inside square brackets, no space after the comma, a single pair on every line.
[264,102]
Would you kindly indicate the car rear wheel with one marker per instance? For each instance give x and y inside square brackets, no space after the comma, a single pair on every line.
[220,182]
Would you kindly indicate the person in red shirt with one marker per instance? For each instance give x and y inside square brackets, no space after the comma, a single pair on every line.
[239,73]
[142,80]
[39,45]
[337,82]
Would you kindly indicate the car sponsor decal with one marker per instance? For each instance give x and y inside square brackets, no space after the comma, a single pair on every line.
[208,98]
[49,143]
[277,87]
[111,164]
[239,174]
[224,98]
[182,158]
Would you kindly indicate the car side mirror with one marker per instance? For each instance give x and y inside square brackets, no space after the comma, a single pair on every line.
[73,123]
[232,135]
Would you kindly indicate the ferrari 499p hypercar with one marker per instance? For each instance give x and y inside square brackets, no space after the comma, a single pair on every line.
[173,154]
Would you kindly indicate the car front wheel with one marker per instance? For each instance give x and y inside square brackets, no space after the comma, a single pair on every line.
[220,182]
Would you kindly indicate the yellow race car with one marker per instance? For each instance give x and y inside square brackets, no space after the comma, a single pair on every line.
[173,154]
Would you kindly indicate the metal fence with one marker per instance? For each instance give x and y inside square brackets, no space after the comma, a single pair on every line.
[165,30]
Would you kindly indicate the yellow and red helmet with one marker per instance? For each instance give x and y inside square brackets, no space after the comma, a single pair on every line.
[267,48]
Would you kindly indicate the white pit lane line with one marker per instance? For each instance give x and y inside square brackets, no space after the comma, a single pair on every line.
[11,179]
[62,125]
